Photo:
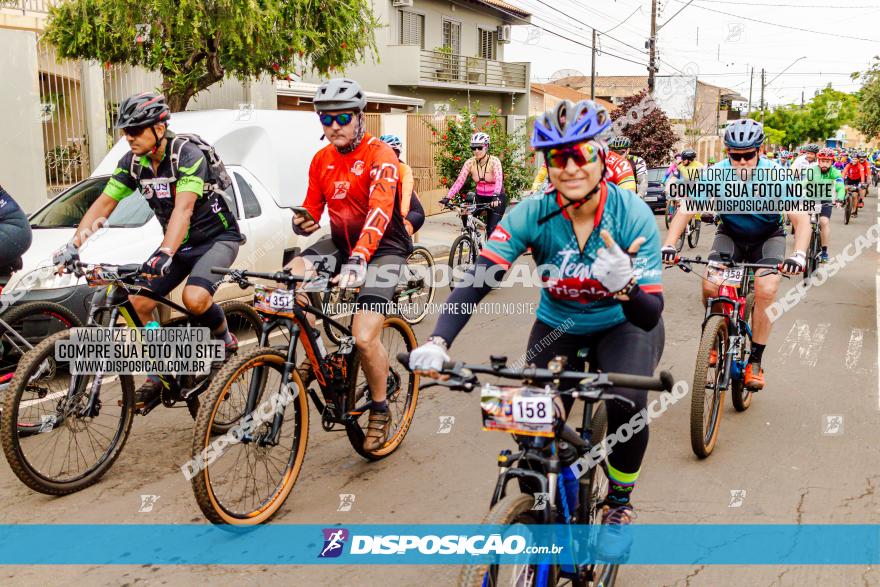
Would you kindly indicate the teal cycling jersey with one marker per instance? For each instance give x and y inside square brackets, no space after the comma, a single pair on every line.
[571,299]
[750,227]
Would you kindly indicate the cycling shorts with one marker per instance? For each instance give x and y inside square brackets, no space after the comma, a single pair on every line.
[826,210]
[848,181]
[383,274]
[196,261]
[770,251]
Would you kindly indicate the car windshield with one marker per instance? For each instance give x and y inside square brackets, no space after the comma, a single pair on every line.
[67,210]
[656,174]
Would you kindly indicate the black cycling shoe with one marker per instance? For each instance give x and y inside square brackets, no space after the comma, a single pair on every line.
[147,393]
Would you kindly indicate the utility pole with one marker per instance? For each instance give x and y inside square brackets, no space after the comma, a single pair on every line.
[652,47]
[763,80]
[593,69]
[751,79]
[802,99]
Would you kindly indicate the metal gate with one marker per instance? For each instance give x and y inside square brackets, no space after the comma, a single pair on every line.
[62,113]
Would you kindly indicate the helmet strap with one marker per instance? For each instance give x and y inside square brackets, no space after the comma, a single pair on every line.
[156,146]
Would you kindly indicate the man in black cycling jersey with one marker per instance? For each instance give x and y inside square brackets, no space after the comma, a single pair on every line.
[15,234]
[200,232]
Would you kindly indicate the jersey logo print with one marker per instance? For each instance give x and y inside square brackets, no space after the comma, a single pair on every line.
[358,167]
[163,191]
[340,190]
[500,235]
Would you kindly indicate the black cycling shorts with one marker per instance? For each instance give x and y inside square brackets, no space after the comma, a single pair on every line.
[826,210]
[770,251]
[196,261]
[847,181]
[383,274]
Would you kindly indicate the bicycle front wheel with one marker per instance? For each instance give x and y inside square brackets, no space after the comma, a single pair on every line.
[402,392]
[706,394]
[462,256]
[62,432]
[418,285]
[694,236]
[33,322]
[244,476]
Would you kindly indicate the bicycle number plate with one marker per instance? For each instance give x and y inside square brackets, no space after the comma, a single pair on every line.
[728,276]
[273,299]
[517,410]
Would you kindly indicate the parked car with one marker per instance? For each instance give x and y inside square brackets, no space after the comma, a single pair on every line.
[267,157]
[656,197]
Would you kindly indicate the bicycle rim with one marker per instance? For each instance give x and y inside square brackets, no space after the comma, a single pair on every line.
[461,258]
[52,444]
[707,397]
[403,392]
[237,481]
[418,281]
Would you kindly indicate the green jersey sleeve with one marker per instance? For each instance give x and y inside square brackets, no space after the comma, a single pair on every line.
[121,184]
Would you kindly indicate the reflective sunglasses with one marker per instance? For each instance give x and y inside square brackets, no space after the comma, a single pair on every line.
[343,119]
[134,131]
[743,156]
[582,153]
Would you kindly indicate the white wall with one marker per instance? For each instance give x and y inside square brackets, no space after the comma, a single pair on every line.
[22,172]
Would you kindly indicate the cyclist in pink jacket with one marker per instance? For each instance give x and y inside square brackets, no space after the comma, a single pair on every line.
[485,169]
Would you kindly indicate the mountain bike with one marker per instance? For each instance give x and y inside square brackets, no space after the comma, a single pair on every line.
[691,232]
[264,380]
[814,251]
[61,432]
[533,414]
[724,349]
[850,209]
[467,246]
[412,298]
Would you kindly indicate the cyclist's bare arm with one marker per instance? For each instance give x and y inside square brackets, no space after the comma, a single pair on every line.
[800,223]
[178,224]
[677,225]
[94,218]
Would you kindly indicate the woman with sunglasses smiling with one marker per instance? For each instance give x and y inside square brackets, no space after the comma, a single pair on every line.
[587,238]
[485,170]
[749,238]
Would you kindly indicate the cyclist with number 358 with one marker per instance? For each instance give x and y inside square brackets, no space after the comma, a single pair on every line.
[598,249]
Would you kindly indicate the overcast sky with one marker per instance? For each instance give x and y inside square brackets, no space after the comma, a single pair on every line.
[720,47]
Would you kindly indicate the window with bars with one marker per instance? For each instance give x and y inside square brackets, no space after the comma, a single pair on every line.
[412,28]
[488,43]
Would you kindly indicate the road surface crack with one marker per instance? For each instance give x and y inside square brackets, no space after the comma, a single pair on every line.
[779,577]
[869,491]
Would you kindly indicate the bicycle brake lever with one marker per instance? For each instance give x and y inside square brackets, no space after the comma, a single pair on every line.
[615,397]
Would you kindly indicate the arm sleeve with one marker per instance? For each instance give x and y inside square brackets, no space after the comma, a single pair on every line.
[416,214]
[462,177]
[498,174]
[315,201]
[121,184]
[383,196]
[406,188]
[457,309]
[539,179]
[193,170]
[643,309]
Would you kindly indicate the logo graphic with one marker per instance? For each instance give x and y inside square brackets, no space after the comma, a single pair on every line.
[533,35]
[334,540]
[541,501]
[500,235]
[163,190]
[147,503]
[446,423]
[346,500]
[340,190]
[215,207]
[358,167]
[734,32]
[244,113]
[737,497]
[832,108]
[639,266]
[47,423]
[833,425]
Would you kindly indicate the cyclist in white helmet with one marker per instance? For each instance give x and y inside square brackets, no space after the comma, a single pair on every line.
[485,170]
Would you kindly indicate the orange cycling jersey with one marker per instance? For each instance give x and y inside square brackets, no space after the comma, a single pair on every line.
[360,192]
[619,171]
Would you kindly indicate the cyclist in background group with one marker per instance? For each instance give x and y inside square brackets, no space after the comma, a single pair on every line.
[410,206]
[806,159]
[15,233]
[825,158]
[673,167]
[621,145]
[485,170]
[855,174]
[688,169]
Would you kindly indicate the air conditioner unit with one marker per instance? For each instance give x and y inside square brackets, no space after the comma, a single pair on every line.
[504,33]
[401,3]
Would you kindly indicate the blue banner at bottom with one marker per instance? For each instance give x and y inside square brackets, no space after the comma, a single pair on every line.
[425,544]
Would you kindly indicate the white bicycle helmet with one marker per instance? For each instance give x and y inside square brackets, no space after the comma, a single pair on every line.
[479,139]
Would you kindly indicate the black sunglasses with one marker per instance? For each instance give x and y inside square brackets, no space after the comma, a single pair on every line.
[135,131]
[477,147]
[743,156]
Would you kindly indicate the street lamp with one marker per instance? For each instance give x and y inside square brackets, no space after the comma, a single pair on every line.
[765,86]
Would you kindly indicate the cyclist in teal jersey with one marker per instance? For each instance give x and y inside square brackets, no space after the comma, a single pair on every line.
[597,251]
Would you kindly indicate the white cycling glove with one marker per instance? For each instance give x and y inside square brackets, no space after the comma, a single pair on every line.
[613,268]
[428,357]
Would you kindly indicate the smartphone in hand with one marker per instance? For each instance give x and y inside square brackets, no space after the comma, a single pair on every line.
[299,210]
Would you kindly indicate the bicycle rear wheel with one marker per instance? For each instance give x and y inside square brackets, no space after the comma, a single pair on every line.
[402,388]
[418,285]
[34,321]
[694,236]
[847,209]
[706,397]
[243,478]
[512,509]
[462,256]
[53,444]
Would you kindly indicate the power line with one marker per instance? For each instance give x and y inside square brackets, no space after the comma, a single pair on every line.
[765,5]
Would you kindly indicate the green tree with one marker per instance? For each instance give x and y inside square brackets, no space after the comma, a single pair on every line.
[868,117]
[195,44]
[455,148]
[651,134]
[827,111]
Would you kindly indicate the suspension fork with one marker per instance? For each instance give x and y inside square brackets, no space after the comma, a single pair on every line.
[271,439]
[91,408]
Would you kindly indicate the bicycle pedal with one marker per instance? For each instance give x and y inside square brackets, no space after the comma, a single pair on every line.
[147,408]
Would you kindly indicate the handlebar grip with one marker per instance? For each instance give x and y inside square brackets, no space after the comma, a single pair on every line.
[403,359]
[662,383]
[221,270]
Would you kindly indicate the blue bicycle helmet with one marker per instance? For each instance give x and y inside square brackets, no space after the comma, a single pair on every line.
[392,141]
[744,134]
[570,123]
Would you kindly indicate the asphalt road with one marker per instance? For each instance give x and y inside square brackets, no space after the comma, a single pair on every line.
[784,468]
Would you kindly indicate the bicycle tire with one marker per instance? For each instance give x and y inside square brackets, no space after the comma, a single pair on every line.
[679,244]
[425,254]
[28,473]
[515,508]
[334,297]
[740,395]
[203,439]
[462,252]
[398,374]
[16,317]
[847,210]
[714,337]
[668,214]
[694,236]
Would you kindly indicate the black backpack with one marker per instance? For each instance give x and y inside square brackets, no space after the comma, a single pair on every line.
[219,179]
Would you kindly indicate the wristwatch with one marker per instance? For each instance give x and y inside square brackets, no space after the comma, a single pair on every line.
[631,288]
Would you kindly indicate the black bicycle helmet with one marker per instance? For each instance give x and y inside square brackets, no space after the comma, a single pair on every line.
[689,154]
[744,133]
[144,109]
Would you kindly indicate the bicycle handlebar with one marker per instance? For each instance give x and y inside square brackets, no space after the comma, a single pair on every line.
[699,261]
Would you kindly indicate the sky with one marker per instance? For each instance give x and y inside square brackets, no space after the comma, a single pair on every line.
[721,48]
